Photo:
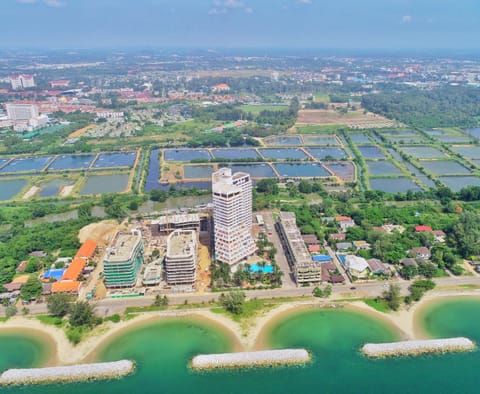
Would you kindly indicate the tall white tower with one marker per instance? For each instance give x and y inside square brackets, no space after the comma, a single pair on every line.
[232,215]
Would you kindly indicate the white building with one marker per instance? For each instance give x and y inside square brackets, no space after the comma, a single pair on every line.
[357,266]
[232,215]
[22,81]
[22,111]
[181,257]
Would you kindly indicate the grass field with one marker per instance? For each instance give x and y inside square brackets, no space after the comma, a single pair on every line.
[321,98]
[357,118]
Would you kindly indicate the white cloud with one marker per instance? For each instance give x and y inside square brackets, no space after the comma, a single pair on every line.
[249,10]
[224,6]
[26,1]
[54,3]
[407,19]
[304,1]
[217,11]
[228,3]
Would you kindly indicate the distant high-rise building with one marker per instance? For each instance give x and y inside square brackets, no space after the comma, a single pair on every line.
[22,81]
[22,111]
[232,215]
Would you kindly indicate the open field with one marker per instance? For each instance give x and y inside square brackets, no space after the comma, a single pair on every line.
[354,119]
[81,132]
[256,109]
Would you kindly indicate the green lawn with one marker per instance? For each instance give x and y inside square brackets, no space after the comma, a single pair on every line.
[256,109]
[378,304]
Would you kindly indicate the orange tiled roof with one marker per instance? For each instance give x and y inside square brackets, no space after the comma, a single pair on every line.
[87,250]
[66,286]
[75,269]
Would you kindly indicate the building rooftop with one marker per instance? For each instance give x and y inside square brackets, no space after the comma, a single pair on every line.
[176,219]
[181,243]
[123,246]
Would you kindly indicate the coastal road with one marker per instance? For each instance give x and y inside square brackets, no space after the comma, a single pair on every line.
[109,306]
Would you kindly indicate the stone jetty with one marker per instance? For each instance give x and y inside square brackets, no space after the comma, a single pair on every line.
[251,359]
[409,348]
[65,374]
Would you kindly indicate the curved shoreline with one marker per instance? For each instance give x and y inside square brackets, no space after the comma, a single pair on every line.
[406,324]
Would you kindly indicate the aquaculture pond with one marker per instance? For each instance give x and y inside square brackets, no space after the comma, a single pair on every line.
[186,154]
[283,153]
[320,140]
[456,183]
[235,153]
[360,138]
[343,169]
[153,173]
[453,139]
[290,140]
[371,152]
[407,139]
[328,152]
[71,162]
[394,185]
[301,170]
[194,171]
[382,167]
[27,164]
[444,167]
[3,161]
[118,159]
[11,187]
[53,187]
[423,152]
[470,151]
[99,184]
[260,170]
[474,132]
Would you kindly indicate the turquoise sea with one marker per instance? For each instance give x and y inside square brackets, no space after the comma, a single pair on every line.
[334,336]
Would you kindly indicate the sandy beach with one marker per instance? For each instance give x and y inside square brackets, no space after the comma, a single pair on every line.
[405,322]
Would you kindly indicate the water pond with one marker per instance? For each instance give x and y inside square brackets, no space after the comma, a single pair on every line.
[325,153]
[283,153]
[360,138]
[290,140]
[235,153]
[10,188]
[423,152]
[444,167]
[53,187]
[470,151]
[193,171]
[27,164]
[99,184]
[118,159]
[382,167]
[457,183]
[185,154]
[301,169]
[322,139]
[261,170]
[394,185]
[71,162]
[343,169]
[474,132]
[371,152]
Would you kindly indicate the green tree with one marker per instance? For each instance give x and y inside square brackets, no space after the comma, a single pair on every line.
[81,314]
[160,301]
[59,304]
[31,289]
[10,310]
[305,187]
[268,186]
[233,301]
[392,296]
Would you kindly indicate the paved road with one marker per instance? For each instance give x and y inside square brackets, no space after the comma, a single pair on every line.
[110,306]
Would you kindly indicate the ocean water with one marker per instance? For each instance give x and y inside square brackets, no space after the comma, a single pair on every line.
[334,337]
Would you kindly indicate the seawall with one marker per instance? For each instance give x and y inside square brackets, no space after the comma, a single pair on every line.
[64,374]
[251,359]
[408,348]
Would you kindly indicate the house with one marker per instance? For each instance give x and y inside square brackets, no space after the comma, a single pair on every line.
[338,236]
[310,239]
[408,262]
[46,288]
[425,229]
[343,246]
[439,235]
[11,287]
[330,274]
[344,222]
[377,267]
[364,245]
[420,253]
[21,267]
[87,250]
[357,266]
[66,286]
[314,248]
[221,87]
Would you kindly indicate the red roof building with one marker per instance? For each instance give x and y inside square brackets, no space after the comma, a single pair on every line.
[74,269]
[420,229]
[87,250]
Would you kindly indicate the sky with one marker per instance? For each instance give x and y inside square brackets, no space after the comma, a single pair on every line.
[332,24]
